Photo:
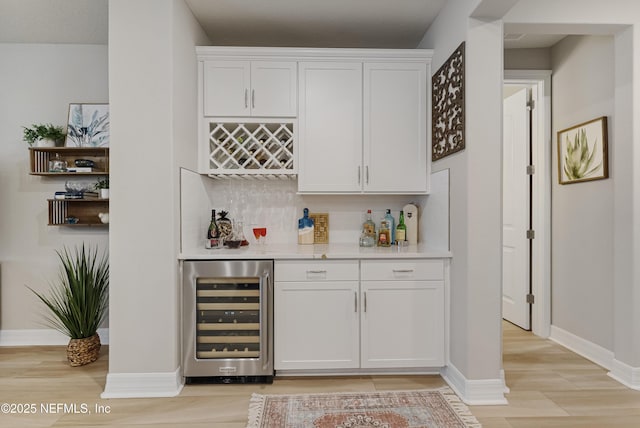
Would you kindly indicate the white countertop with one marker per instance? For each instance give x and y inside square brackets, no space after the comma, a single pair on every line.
[315,251]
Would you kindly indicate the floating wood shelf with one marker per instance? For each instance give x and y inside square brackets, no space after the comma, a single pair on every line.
[85,210]
[39,158]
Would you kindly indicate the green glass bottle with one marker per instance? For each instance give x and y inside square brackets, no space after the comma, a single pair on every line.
[401,229]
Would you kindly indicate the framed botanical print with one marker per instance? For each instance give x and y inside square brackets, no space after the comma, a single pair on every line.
[88,125]
[582,152]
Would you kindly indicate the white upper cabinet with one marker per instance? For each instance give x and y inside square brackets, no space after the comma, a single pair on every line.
[358,119]
[330,127]
[250,88]
[396,156]
[363,127]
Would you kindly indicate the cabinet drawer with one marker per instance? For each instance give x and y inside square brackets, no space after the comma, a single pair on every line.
[310,270]
[384,270]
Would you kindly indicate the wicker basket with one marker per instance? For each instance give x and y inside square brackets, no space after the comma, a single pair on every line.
[83,351]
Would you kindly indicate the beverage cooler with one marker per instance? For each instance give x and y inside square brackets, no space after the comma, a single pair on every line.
[227,321]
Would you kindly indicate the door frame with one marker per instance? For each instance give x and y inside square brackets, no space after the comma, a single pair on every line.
[540,82]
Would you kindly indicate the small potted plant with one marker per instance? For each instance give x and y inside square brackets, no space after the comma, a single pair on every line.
[78,302]
[43,135]
[103,186]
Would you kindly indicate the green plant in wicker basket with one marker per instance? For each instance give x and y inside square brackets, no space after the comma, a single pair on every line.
[578,159]
[78,301]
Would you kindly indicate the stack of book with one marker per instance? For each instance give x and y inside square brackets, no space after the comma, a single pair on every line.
[76,195]
[79,169]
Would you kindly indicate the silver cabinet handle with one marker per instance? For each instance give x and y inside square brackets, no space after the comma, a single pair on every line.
[316,271]
[403,271]
[355,301]
[359,175]
[366,169]
[253,98]
[365,301]
[246,98]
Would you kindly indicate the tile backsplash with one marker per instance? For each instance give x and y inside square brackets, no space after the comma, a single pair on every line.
[277,205]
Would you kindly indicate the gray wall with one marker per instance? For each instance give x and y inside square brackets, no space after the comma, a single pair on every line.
[527,59]
[582,213]
[38,82]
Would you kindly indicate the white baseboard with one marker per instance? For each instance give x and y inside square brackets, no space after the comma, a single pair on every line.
[483,392]
[142,385]
[41,337]
[625,374]
[589,350]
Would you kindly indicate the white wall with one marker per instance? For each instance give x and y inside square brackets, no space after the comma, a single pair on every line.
[38,83]
[475,177]
[582,214]
[152,94]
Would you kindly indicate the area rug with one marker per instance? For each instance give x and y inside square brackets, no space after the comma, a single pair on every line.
[436,408]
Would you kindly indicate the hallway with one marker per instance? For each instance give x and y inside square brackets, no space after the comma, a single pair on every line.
[551,386]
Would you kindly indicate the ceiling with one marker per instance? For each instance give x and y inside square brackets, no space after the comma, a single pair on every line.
[326,23]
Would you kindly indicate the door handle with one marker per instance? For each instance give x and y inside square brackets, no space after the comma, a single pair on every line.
[359,175]
[246,98]
[355,301]
[366,169]
[253,98]
[365,301]
[265,336]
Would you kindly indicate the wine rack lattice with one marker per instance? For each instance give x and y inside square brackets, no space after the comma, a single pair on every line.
[251,148]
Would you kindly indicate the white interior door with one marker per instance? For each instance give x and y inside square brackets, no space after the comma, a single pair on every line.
[516,211]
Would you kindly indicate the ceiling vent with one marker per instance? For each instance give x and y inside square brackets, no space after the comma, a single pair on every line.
[513,37]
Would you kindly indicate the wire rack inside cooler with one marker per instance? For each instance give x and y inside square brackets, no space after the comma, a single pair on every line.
[228,318]
[251,149]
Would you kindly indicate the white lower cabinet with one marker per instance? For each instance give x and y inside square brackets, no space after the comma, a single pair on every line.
[350,314]
[316,318]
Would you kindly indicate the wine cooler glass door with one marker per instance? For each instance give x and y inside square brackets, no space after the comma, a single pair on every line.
[228,318]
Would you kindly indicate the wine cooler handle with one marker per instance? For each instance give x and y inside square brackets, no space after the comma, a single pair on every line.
[246,98]
[264,336]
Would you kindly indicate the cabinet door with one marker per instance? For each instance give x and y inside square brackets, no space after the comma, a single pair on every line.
[274,87]
[316,325]
[402,324]
[396,156]
[330,127]
[226,88]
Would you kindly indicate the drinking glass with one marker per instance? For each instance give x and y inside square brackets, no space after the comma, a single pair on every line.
[260,233]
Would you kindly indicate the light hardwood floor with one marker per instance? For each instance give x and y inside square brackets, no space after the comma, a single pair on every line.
[550,387]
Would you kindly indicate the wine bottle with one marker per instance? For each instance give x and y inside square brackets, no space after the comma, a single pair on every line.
[401,229]
[213,233]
